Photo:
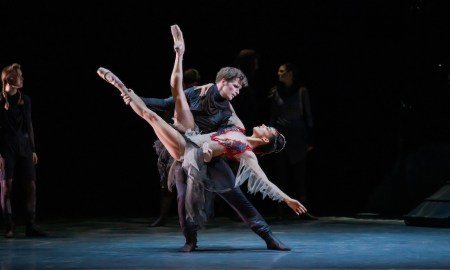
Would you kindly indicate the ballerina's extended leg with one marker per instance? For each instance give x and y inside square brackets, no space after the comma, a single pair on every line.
[172,139]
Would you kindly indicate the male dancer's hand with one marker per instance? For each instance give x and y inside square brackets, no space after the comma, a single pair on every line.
[126,99]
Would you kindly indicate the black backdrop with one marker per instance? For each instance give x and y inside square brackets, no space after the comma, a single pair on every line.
[377,70]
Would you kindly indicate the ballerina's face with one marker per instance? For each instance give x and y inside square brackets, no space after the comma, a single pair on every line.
[264,132]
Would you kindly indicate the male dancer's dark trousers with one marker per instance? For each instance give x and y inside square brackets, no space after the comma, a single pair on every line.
[219,170]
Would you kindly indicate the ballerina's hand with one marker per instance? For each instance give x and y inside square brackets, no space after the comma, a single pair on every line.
[207,152]
[204,88]
[296,206]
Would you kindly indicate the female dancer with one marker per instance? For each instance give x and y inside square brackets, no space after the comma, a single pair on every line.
[195,149]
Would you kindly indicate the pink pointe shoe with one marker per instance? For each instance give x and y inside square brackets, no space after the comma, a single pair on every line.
[113,79]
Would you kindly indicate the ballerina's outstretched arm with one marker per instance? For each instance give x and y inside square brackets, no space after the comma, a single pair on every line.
[250,171]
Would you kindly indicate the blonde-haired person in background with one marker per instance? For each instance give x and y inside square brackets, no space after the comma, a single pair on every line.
[17,148]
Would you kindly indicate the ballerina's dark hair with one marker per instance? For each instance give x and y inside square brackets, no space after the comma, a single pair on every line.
[276,144]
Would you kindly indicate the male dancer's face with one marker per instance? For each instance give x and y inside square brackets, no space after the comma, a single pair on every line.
[230,89]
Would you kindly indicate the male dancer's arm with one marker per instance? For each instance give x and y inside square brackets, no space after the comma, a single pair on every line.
[160,104]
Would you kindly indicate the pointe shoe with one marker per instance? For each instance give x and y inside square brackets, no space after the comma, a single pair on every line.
[115,81]
[274,244]
[110,77]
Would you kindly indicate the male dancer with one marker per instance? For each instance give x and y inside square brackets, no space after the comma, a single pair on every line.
[211,112]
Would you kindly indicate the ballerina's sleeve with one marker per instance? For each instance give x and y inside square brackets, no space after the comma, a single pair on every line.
[257,181]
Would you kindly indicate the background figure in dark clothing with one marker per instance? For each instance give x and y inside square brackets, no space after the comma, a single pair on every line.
[191,78]
[17,148]
[291,114]
[251,104]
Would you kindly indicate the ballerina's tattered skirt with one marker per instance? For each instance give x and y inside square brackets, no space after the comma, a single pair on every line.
[200,186]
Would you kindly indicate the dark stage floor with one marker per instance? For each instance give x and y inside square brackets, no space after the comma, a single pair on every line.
[329,243]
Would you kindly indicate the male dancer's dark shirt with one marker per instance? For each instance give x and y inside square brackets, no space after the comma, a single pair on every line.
[211,112]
